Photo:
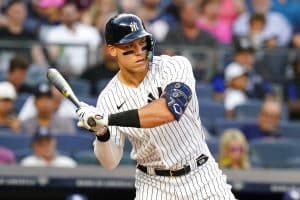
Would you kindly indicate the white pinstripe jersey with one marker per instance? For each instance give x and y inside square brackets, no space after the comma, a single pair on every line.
[166,146]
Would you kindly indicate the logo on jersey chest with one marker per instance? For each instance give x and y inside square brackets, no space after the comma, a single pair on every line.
[151,96]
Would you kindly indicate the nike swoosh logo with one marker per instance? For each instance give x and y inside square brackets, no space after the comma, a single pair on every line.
[118,107]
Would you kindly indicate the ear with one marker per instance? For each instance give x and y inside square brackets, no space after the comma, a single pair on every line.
[112,50]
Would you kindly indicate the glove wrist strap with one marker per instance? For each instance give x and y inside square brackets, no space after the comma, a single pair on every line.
[105,137]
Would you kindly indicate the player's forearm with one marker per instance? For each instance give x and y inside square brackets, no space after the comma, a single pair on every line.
[154,114]
[108,154]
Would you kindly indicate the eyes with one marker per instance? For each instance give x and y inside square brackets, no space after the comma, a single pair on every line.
[140,42]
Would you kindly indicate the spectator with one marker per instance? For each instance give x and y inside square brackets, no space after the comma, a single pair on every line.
[292,92]
[17,72]
[257,87]
[187,32]
[296,40]
[236,79]
[254,37]
[210,21]
[230,10]
[62,106]
[82,5]
[42,15]
[98,13]
[8,119]
[3,19]
[44,152]
[7,156]
[290,9]
[16,13]
[268,121]
[275,23]
[103,70]
[46,118]
[155,21]
[234,150]
[72,59]
[172,11]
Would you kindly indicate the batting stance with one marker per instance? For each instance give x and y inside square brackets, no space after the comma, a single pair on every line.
[152,101]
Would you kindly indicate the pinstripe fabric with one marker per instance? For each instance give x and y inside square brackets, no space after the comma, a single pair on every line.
[169,146]
[206,182]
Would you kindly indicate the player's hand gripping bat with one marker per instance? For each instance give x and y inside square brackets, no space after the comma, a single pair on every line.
[64,88]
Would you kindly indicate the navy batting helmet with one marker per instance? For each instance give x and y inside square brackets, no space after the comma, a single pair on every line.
[125,28]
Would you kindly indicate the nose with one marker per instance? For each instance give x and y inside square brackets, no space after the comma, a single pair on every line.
[138,49]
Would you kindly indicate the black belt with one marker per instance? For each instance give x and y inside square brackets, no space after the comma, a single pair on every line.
[180,172]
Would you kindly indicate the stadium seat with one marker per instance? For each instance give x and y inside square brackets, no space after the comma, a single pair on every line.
[21,153]
[71,144]
[80,87]
[210,111]
[21,99]
[222,124]
[213,145]
[86,157]
[251,109]
[248,110]
[15,141]
[290,129]
[19,144]
[272,65]
[101,84]
[275,153]
[2,76]
[126,160]
[36,75]
[88,99]
[204,90]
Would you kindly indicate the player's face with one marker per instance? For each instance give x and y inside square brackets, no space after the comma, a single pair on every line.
[131,57]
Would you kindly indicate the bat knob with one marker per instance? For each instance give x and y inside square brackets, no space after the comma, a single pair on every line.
[91,122]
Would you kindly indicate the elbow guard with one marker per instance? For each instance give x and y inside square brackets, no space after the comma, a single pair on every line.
[177,95]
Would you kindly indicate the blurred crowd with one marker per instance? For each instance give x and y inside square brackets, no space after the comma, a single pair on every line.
[242,51]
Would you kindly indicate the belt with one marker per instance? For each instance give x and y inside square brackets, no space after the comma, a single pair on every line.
[179,172]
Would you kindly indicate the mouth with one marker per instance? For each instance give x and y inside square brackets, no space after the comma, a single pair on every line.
[142,60]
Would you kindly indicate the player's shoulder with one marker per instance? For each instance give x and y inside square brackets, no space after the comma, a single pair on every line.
[174,62]
[110,87]
[109,90]
[166,59]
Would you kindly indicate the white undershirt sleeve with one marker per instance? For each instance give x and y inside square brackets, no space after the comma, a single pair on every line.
[108,153]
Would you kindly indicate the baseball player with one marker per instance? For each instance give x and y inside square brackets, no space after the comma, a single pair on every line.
[152,101]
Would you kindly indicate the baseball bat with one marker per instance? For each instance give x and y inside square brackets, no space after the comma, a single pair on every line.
[64,88]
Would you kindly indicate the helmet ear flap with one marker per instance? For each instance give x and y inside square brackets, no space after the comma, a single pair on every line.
[150,47]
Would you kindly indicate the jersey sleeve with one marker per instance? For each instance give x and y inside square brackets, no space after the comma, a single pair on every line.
[178,69]
[104,105]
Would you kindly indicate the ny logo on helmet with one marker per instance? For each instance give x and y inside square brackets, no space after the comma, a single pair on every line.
[133,26]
